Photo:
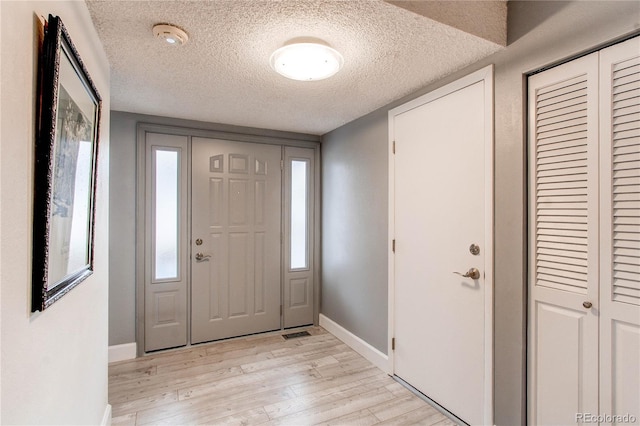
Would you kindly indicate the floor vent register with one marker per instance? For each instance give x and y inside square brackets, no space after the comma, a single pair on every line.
[294,335]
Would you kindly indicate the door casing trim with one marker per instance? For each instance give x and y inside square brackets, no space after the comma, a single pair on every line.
[484,75]
[142,129]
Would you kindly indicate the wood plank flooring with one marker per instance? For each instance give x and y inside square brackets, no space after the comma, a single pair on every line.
[263,380]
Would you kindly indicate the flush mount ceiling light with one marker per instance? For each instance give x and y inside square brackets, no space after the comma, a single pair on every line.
[306,60]
[171,34]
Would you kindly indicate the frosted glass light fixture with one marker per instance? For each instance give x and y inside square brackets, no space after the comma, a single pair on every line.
[306,60]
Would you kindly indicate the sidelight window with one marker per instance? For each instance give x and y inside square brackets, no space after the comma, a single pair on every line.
[166,213]
[299,214]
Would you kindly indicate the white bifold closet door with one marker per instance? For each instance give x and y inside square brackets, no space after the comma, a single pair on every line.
[620,230]
[584,236]
[563,355]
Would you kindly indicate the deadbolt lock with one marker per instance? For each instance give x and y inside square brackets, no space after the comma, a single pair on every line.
[474,249]
[199,242]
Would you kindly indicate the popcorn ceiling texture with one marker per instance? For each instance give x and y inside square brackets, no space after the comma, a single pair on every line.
[222,74]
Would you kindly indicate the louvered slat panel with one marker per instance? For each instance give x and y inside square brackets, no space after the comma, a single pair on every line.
[628,87]
[626,173]
[626,95]
[561,118]
[627,221]
[625,69]
[627,260]
[626,182]
[562,253]
[626,165]
[572,262]
[567,112]
[624,134]
[563,138]
[625,244]
[577,144]
[631,107]
[561,226]
[561,87]
[561,185]
[625,103]
[627,252]
[625,149]
[555,264]
[569,148]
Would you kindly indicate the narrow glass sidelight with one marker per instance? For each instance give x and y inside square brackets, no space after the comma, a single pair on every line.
[299,214]
[166,214]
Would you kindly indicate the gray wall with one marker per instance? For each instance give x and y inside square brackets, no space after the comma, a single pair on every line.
[354,292]
[122,219]
[355,226]
[122,229]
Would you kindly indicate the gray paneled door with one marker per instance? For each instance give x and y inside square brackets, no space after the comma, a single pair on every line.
[235,239]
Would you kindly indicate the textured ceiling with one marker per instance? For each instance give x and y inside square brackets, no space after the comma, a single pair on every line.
[222,74]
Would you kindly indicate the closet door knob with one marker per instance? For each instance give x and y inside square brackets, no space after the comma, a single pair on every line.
[587,304]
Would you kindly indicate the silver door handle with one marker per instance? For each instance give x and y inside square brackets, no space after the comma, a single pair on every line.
[201,256]
[472,273]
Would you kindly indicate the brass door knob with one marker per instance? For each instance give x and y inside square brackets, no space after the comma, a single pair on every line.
[472,273]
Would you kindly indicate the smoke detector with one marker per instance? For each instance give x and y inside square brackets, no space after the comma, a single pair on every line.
[170,34]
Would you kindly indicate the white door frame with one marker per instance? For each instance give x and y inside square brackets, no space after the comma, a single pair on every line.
[484,75]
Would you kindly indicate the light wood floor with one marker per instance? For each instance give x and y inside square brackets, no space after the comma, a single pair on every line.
[263,379]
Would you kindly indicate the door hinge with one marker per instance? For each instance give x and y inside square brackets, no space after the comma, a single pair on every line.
[393,343]
[394,147]
[393,246]
[280,310]
[281,164]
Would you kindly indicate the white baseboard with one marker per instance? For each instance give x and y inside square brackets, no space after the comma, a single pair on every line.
[372,355]
[106,418]
[122,352]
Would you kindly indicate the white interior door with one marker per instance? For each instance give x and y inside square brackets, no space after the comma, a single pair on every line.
[442,320]
[235,239]
[563,238]
[620,229]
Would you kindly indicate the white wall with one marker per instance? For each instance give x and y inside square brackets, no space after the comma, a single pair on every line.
[53,364]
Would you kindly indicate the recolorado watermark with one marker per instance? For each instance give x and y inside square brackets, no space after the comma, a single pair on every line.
[605,418]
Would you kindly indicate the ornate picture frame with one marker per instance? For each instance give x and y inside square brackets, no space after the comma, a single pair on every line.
[66,153]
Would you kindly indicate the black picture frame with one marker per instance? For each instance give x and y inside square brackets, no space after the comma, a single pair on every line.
[66,152]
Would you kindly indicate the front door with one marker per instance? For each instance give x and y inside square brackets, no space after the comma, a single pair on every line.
[442,252]
[235,239]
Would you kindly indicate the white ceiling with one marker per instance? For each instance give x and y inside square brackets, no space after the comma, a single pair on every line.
[222,74]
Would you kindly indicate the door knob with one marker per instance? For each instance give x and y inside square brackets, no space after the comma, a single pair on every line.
[201,256]
[587,304]
[472,273]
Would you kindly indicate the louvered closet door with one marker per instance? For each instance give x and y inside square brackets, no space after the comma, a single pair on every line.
[620,228]
[563,235]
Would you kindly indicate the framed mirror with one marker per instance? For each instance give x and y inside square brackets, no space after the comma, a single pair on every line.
[66,152]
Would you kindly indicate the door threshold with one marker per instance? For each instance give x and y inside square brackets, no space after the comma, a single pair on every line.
[430,401]
[280,331]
